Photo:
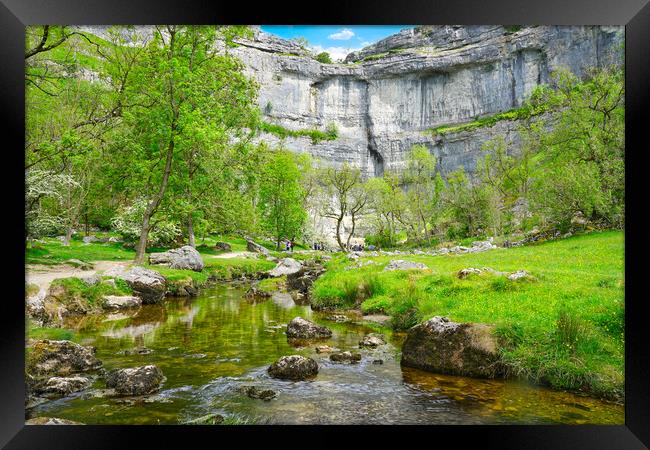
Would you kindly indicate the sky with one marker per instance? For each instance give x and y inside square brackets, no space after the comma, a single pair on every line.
[337,40]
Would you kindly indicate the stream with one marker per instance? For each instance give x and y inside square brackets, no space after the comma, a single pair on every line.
[211,345]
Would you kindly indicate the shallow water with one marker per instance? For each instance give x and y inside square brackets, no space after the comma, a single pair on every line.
[211,345]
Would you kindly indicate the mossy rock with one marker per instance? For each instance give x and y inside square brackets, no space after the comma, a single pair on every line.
[59,358]
[441,346]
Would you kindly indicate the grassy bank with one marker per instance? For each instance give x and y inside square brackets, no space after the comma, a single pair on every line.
[564,329]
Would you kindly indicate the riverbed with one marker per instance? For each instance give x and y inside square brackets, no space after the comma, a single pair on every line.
[209,346]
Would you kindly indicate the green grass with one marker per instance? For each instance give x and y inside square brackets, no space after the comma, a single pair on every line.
[514,114]
[75,288]
[53,252]
[233,268]
[564,329]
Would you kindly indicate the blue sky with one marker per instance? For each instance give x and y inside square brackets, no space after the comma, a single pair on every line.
[337,40]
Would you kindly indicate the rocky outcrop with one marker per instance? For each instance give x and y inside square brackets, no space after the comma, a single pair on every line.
[387,95]
[400,264]
[59,358]
[252,246]
[186,258]
[294,367]
[304,329]
[442,346]
[150,286]
[303,279]
[286,266]
[135,381]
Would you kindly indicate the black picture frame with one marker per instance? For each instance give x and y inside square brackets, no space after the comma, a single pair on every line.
[634,14]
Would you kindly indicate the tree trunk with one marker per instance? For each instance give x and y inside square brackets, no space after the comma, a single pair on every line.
[338,233]
[141,248]
[190,231]
[354,224]
[67,237]
[87,230]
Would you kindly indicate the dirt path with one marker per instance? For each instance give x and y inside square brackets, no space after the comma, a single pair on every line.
[42,275]
[232,255]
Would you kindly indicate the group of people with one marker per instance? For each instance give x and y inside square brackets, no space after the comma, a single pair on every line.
[318,246]
[288,246]
[356,248]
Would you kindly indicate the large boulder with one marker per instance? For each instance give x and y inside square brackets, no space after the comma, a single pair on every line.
[135,380]
[150,286]
[186,258]
[59,358]
[256,248]
[305,329]
[303,279]
[294,367]
[442,346]
[286,266]
[400,264]
[61,301]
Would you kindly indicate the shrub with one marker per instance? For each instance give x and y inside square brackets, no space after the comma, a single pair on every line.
[324,58]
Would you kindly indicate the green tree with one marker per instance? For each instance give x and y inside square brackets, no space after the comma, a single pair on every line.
[185,98]
[419,178]
[345,196]
[282,197]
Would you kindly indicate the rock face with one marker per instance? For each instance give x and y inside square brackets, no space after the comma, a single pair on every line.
[400,264]
[294,367]
[388,94]
[256,248]
[185,257]
[150,286]
[304,329]
[121,301]
[135,381]
[59,358]
[286,266]
[441,346]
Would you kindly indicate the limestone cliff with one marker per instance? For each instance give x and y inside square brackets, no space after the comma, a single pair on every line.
[385,97]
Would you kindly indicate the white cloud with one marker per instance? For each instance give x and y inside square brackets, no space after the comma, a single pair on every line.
[337,53]
[342,35]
